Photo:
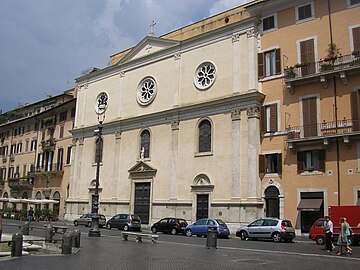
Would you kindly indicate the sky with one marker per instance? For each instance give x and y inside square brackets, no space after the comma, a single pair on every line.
[46,44]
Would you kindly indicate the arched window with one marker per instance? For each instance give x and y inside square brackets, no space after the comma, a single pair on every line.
[145,144]
[38,197]
[56,206]
[99,143]
[272,202]
[205,136]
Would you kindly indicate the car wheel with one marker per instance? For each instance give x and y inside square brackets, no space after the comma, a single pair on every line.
[188,233]
[276,237]
[126,228]
[108,226]
[173,231]
[76,223]
[320,240]
[243,235]
[153,229]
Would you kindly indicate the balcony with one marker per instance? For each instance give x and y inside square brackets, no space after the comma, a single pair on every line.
[48,145]
[20,183]
[342,67]
[12,157]
[324,131]
[52,169]
[4,159]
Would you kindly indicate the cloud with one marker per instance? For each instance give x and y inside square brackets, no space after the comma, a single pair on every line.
[45,44]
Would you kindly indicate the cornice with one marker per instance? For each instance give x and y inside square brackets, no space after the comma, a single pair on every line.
[240,28]
[225,105]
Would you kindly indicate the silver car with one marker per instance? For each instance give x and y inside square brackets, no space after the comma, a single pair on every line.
[272,228]
[86,220]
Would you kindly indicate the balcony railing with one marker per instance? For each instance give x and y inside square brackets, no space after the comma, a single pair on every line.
[343,127]
[23,182]
[53,167]
[340,63]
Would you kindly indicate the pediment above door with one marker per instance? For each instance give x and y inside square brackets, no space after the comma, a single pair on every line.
[142,170]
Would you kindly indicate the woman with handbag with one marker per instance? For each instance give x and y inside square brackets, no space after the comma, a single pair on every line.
[343,240]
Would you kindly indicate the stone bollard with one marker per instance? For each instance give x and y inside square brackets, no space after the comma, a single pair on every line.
[25,228]
[76,238]
[16,245]
[49,233]
[66,247]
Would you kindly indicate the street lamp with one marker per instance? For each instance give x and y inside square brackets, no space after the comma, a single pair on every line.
[100,108]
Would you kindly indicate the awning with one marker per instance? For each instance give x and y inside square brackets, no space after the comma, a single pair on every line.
[14,200]
[310,205]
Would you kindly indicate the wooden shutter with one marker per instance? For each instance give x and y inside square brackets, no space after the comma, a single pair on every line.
[279,163]
[300,162]
[262,164]
[307,55]
[273,118]
[277,61]
[322,160]
[355,110]
[356,38]
[261,65]
[262,120]
[309,117]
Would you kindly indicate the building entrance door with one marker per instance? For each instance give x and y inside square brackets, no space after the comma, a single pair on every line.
[272,202]
[202,206]
[142,201]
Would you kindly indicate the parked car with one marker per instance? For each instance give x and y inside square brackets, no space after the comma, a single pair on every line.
[272,228]
[201,227]
[86,220]
[169,225]
[124,222]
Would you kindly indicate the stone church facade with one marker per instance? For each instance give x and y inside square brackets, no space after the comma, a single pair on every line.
[181,131]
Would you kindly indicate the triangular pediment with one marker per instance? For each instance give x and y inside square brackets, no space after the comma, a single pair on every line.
[148,45]
[142,169]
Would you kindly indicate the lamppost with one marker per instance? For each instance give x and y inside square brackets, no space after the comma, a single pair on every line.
[100,108]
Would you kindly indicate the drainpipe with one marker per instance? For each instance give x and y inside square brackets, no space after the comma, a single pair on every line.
[336,115]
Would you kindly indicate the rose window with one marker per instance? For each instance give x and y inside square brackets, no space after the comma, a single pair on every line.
[146,91]
[205,75]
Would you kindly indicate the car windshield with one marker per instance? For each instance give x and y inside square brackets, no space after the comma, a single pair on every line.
[220,222]
[286,223]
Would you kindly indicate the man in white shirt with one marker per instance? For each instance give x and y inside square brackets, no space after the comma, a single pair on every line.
[329,230]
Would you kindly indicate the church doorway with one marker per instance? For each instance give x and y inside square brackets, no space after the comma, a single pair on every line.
[142,201]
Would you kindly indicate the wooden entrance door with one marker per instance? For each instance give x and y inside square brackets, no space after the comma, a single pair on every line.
[202,206]
[142,201]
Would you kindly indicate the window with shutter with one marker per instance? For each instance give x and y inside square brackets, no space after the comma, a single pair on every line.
[269,118]
[352,3]
[300,162]
[262,164]
[355,110]
[309,117]
[307,57]
[356,38]
[269,63]
[312,160]
[305,12]
[268,23]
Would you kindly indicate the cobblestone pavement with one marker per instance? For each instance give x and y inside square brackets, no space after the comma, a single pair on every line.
[179,252]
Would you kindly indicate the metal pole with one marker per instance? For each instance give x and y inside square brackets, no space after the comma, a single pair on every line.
[94,230]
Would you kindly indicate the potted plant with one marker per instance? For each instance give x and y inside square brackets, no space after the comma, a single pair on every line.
[333,52]
[289,72]
[356,53]
[299,65]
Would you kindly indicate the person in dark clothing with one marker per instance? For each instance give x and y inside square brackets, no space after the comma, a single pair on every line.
[30,215]
[329,230]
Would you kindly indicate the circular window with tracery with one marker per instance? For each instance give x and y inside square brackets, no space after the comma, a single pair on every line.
[147,90]
[205,75]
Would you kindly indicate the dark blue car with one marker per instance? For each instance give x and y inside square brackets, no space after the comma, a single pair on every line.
[200,227]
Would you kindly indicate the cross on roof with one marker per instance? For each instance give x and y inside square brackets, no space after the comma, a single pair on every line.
[152,25]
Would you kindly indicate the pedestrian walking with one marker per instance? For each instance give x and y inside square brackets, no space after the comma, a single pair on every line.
[30,215]
[328,228]
[343,240]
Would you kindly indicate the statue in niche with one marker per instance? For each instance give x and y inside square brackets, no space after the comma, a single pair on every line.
[142,152]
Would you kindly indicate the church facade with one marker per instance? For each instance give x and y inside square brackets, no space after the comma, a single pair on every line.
[181,131]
